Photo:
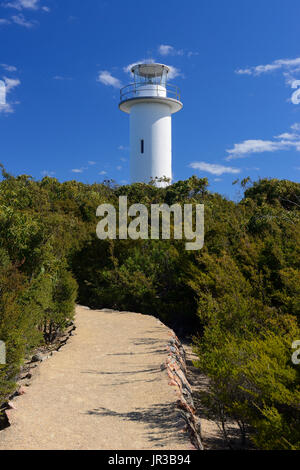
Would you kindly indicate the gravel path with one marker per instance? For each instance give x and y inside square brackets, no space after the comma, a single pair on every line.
[103,390]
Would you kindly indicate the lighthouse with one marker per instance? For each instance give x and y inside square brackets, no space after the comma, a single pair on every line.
[150,101]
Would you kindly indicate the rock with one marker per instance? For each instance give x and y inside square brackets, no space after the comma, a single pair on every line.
[37,357]
[176,369]
[198,425]
[4,419]
[7,416]
[11,406]
[173,383]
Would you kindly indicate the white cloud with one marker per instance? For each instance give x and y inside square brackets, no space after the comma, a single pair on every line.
[214,168]
[165,49]
[275,65]
[288,67]
[91,162]
[285,141]
[10,84]
[21,5]
[6,108]
[191,53]
[21,21]
[25,5]
[254,146]
[127,68]
[79,170]
[119,168]
[174,72]
[9,68]
[168,50]
[61,78]
[106,78]
[243,71]
[102,172]
[287,136]
[296,126]
[289,77]
[216,180]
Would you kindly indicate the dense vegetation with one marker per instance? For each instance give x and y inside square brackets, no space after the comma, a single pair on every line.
[239,296]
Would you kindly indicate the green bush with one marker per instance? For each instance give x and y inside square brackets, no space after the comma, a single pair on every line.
[37,292]
[239,296]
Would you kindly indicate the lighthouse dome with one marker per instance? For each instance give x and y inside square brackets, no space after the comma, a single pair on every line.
[151,70]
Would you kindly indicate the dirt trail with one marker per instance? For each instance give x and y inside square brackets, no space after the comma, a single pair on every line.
[103,390]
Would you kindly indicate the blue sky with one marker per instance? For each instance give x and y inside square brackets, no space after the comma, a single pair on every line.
[237,64]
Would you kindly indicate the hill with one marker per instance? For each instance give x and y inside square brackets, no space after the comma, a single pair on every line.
[239,297]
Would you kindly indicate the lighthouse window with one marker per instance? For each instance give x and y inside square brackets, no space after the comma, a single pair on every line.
[142,145]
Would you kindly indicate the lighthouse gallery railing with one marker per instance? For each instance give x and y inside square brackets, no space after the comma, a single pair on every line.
[134,90]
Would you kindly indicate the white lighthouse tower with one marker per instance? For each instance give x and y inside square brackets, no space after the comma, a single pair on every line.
[150,101]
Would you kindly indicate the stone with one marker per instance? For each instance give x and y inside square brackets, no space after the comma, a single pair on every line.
[11,406]
[37,357]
